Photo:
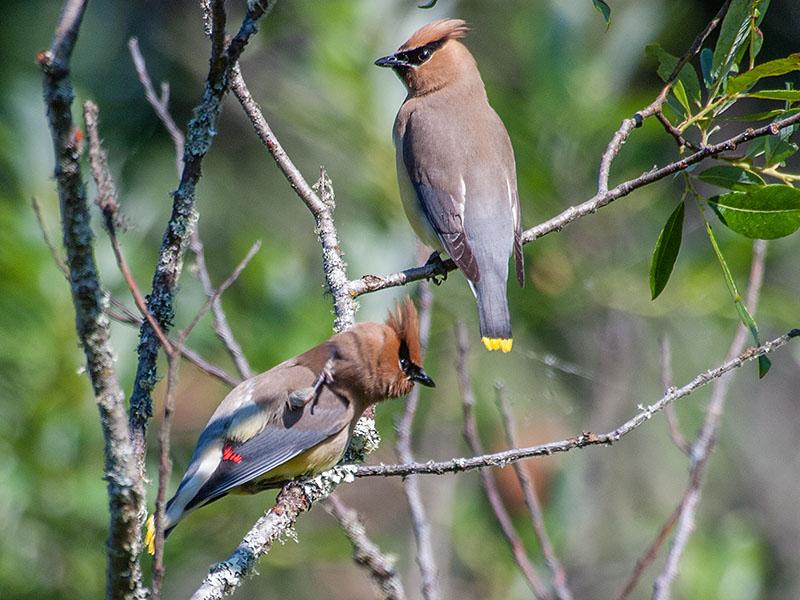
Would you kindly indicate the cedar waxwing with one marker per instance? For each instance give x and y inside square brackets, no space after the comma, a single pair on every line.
[297,418]
[456,169]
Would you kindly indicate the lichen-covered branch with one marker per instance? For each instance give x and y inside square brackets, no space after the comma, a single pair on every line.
[123,572]
[181,223]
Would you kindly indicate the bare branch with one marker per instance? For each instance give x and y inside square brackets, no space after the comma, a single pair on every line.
[293,500]
[426,558]
[62,266]
[669,412]
[160,104]
[107,201]
[487,478]
[379,567]
[706,439]
[225,285]
[653,108]
[501,459]
[182,221]
[532,502]
[125,490]
[221,327]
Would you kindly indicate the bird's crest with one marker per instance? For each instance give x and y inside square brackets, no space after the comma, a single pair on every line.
[441,30]
[406,325]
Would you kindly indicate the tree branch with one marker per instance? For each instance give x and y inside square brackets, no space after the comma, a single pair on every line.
[366,554]
[183,218]
[501,459]
[123,571]
[487,477]
[701,449]
[532,502]
[426,558]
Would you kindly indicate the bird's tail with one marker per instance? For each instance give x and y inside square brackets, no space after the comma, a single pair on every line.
[495,321]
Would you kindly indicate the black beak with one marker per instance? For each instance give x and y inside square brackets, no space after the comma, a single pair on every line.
[417,374]
[391,61]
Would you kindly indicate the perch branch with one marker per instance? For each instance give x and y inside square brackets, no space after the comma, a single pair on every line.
[501,459]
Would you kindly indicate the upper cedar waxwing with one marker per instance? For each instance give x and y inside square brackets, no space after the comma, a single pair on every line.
[297,418]
[456,168]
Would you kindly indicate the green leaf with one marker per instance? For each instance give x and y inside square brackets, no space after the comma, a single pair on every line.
[772,68]
[604,10]
[790,95]
[741,309]
[706,56]
[666,251]
[763,365]
[779,152]
[766,213]
[732,35]
[680,96]
[756,148]
[730,177]
[667,64]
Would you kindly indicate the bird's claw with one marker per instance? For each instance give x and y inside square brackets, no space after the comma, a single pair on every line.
[439,270]
[299,398]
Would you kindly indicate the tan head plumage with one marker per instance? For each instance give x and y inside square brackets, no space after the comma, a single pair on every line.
[441,30]
[406,324]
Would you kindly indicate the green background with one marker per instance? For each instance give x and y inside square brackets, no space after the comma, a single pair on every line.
[586,349]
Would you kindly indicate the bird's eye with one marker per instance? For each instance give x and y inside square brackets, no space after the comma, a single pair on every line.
[423,55]
[404,364]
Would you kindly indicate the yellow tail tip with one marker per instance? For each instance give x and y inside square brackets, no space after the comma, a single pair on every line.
[150,535]
[503,344]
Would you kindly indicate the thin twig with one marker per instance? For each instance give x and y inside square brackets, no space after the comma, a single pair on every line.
[123,314]
[164,469]
[669,412]
[650,554]
[487,477]
[426,558]
[365,552]
[108,203]
[675,132]
[706,439]
[160,104]
[225,285]
[161,107]
[62,266]
[560,584]
[221,326]
[501,459]
[654,107]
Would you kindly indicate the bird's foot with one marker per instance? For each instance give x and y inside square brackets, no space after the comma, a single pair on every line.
[299,398]
[439,270]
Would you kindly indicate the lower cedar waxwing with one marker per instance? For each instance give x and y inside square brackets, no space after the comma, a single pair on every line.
[455,165]
[297,418]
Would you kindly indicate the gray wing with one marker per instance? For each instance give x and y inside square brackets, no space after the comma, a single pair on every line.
[440,193]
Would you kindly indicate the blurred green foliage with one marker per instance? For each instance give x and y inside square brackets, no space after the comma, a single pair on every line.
[586,350]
